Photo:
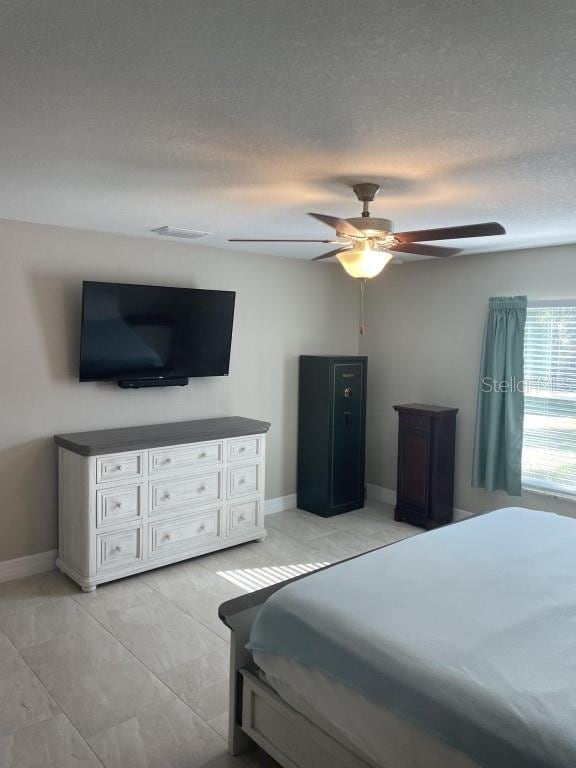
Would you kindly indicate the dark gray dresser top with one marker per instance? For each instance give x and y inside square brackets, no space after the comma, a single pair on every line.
[155,435]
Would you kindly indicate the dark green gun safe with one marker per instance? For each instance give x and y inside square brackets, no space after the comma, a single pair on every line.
[331,434]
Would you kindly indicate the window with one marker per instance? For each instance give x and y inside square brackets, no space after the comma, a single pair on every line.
[549,444]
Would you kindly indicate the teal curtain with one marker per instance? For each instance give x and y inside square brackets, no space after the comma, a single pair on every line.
[497,461]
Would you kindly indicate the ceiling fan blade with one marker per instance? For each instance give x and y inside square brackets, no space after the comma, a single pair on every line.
[274,240]
[419,249]
[451,233]
[329,254]
[340,225]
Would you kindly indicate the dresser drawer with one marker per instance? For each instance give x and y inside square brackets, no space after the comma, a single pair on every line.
[119,548]
[244,448]
[185,532]
[244,480]
[118,505]
[167,494]
[242,515]
[185,457]
[123,466]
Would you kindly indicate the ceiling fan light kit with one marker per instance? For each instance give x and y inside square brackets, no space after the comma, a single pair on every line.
[363,262]
[367,244]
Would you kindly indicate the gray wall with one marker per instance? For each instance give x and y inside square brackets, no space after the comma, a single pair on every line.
[284,308]
[425,323]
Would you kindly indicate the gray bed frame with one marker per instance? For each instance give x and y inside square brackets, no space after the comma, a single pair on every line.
[258,715]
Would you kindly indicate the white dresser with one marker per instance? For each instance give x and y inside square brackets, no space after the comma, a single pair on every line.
[138,498]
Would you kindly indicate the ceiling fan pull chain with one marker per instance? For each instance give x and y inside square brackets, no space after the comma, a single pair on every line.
[362,325]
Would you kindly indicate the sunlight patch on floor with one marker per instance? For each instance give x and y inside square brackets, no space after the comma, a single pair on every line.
[251,579]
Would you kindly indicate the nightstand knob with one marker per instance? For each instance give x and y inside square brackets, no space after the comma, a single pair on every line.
[118,548]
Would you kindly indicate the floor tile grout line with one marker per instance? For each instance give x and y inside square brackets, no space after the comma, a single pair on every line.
[164,597]
[61,709]
[206,626]
[204,720]
[154,675]
[52,699]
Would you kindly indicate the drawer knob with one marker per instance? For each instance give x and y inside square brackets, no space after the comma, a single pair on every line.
[167,536]
[118,468]
[202,489]
[168,460]
[201,528]
[241,518]
[242,480]
[118,548]
[242,448]
[167,495]
[203,455]
[119,505]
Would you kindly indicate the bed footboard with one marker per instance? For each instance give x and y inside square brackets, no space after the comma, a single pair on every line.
[238,615]
[287,736]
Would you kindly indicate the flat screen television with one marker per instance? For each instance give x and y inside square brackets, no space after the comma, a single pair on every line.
[144,335]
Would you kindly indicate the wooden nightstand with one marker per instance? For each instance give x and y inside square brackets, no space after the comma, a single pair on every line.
[425,488]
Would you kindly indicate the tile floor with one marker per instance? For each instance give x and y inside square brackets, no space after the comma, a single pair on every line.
[135,675]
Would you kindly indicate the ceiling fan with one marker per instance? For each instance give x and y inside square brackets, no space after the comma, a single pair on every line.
[366,244]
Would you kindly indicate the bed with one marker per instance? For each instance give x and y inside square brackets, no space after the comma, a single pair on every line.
[453,649]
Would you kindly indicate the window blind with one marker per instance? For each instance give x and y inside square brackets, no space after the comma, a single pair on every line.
[549,442]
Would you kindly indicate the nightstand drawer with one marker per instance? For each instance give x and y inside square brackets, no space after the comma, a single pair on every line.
[185,457]
[197,489]
[185,532]
[119,548]
[415,421]
[118,505]
[244,448]
[244,480]
[123,466]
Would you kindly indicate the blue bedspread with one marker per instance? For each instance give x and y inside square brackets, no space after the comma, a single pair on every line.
[468,632]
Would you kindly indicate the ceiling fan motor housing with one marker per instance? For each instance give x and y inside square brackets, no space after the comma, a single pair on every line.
[381,227]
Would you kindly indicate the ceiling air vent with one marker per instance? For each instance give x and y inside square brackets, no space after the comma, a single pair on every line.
[187,234]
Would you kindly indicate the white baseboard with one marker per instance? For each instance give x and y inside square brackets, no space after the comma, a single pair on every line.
[378,493]
[279,504]
[27,566]
[388,496]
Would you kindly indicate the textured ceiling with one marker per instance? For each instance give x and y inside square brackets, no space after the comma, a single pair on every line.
[238,116]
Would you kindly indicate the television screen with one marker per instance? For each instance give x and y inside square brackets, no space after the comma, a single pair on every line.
[151,332]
